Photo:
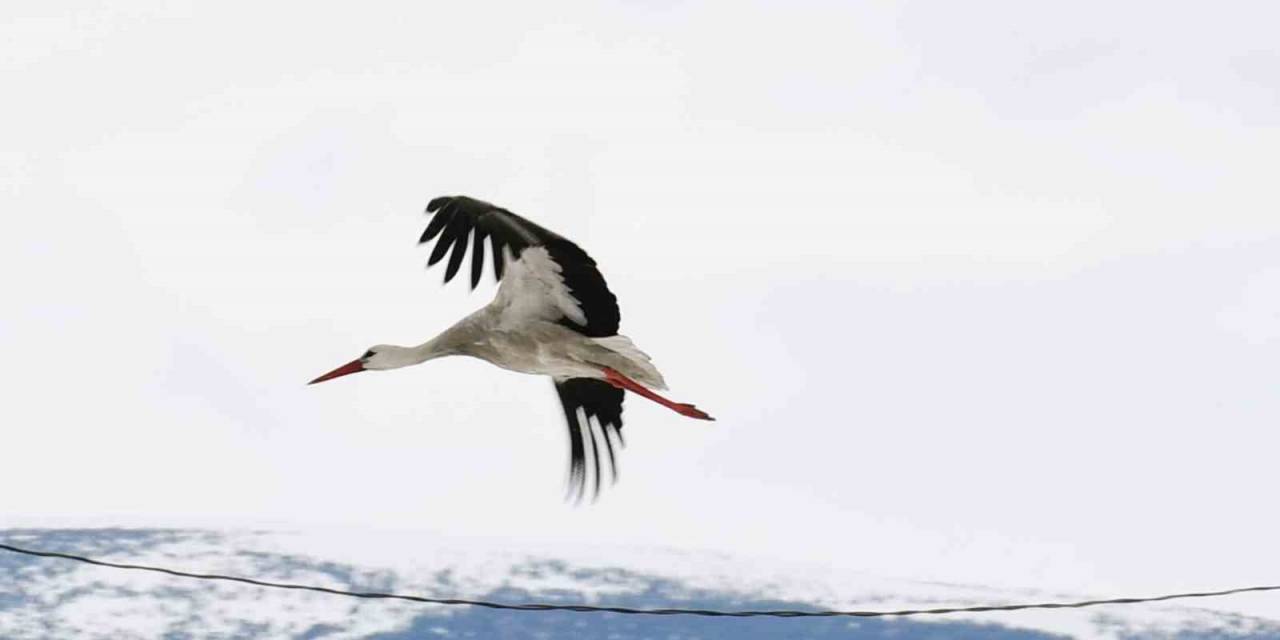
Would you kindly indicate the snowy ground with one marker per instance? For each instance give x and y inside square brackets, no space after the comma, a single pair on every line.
[51,598]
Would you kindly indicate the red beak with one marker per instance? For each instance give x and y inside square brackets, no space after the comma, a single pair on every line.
[355,366]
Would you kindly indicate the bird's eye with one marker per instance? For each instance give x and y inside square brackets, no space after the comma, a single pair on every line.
[368,354]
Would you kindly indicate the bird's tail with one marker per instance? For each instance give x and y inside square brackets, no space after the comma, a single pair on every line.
[642,368]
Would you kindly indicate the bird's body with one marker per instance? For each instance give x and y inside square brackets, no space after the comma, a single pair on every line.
[553,315]
[544,348]
[535,347]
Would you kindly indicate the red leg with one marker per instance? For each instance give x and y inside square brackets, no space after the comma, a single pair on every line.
[622,382]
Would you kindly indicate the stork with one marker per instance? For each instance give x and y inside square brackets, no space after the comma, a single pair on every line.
[553,315]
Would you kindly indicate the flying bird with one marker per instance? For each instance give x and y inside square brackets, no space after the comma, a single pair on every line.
[553,315]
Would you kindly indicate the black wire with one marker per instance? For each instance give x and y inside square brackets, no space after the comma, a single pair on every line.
[632,611]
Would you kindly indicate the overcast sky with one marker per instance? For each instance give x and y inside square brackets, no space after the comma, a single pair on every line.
[982,292]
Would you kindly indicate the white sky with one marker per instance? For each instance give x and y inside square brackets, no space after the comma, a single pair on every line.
[980,292]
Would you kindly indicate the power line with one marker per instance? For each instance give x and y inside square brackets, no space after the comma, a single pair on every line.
[583,608]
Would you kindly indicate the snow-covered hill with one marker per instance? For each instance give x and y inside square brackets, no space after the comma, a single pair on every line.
[51,598]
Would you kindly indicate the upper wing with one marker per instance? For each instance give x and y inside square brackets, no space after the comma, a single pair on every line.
[543,275]
[596,399]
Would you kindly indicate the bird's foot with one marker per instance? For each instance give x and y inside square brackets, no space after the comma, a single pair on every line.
[685,409]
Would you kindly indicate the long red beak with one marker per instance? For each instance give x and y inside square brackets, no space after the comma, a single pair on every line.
[355,366]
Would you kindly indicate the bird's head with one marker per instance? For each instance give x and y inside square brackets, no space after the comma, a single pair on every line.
[382,356]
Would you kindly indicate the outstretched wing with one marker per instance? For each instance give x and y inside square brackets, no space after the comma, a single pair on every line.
[591,405]
[544,276]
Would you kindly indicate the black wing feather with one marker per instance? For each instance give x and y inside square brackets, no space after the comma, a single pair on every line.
[477,258]
[608,445]
[433,228]
[499,262]
[586,283]
[455,227]
[455,258]
[456,217]
[602,402]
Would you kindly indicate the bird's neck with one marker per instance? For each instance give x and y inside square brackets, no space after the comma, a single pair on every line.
[449,343]
[429,350]
[453,341]
[395,357]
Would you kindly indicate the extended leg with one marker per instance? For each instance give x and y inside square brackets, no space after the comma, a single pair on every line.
[622,382]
